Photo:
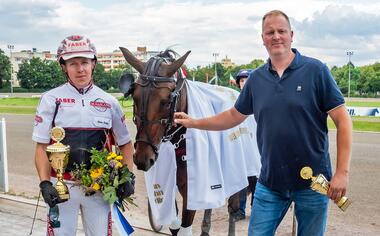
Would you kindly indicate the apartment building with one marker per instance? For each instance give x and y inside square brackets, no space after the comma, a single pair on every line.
[113,60]
[17,58]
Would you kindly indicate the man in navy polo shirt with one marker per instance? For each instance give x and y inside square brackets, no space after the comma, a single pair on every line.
[291,96]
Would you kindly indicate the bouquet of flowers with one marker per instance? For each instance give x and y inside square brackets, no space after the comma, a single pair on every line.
[105,174]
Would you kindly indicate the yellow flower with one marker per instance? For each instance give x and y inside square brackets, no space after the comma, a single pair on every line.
[119,158]
[95,186]
[111,155]
[96,173]
[119,164]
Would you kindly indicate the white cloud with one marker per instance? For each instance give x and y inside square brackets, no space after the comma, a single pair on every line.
[336,29]
[323,29]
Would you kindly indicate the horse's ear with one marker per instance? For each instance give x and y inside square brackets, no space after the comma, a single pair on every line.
[173,67]
[132,60]
[125,83]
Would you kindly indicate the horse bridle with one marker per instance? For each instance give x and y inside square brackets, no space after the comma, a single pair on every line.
[150,79]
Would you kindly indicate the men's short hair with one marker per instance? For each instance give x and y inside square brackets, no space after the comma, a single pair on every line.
[275,13]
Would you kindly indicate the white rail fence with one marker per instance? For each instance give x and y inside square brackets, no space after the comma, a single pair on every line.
[4,184]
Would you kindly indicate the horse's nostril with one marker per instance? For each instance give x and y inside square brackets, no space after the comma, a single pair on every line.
[151,162]
[139,167]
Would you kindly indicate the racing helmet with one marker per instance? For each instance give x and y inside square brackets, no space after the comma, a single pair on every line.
[75,46]
[244,73]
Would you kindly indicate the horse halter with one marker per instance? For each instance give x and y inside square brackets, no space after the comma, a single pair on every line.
[150,79]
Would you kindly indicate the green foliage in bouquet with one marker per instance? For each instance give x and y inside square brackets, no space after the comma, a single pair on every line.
[106,173]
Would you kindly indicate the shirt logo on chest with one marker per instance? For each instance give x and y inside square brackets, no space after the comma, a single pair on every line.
[299,88]
[100,105]
[65,100]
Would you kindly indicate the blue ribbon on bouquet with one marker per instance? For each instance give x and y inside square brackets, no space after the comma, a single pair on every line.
[121,222]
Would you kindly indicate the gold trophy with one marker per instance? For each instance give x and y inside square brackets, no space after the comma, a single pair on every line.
[58,154]
[321,185]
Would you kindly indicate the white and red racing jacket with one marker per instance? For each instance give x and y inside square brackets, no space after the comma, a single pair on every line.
[89,119]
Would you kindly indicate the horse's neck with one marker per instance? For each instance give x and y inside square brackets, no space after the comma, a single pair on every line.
[182,106]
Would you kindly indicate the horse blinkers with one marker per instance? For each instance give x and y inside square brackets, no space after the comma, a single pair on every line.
[126,84]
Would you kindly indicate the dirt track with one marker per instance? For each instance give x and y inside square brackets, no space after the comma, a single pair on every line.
[362,218]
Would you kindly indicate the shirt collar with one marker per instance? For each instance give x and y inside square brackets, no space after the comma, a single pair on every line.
[81,91]
[296,62]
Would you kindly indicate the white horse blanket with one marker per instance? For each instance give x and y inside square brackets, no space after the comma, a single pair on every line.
[218,162]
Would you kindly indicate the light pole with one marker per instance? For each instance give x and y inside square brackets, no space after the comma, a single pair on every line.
[11,47]
[349,54]
[215,54]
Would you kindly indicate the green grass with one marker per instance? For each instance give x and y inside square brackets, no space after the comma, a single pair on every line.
[361,124]
[363,103]
[28,106]
[17,110]
[19,101]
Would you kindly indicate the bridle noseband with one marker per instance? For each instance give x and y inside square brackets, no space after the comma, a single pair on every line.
[150,80]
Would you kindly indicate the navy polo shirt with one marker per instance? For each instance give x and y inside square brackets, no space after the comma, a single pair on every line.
[291,116]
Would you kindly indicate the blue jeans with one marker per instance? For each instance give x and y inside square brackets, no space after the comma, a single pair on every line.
[269,208]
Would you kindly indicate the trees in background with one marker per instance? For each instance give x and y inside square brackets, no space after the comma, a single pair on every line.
[205,74]
[40,74]
[45,75]
[109,80]
[5,70]
[365,80]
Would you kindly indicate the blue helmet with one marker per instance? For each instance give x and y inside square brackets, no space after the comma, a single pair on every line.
[243,73]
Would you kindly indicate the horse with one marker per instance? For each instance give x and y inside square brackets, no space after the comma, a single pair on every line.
[158,93]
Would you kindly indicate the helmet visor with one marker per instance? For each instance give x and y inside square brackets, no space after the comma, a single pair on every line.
[70,55]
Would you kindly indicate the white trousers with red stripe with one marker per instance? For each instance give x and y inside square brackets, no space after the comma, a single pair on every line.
[95,213]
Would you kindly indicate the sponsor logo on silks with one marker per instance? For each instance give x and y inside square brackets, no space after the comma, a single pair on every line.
[37,119]
[216,186]
[65,100]
[77,44]
[100,105]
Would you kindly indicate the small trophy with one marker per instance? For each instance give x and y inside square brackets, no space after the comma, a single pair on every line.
[58,154]
[321,185]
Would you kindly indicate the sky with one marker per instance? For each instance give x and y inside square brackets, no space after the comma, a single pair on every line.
[324,29]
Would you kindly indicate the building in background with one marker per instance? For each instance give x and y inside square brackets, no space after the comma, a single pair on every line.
[227,62]
[143,54]
[17,58]
[110,60]
[113,60]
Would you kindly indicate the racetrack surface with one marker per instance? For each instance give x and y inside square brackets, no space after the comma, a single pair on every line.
[362,217]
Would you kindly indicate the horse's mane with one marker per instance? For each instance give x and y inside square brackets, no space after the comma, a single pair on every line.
[169,54]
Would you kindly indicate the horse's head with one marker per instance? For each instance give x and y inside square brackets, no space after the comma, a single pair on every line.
[155,95]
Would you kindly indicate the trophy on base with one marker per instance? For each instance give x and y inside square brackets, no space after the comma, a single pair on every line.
[58,154]
[321,185]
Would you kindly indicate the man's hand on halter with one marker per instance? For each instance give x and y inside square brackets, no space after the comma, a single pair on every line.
[50,194]
[184,119]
